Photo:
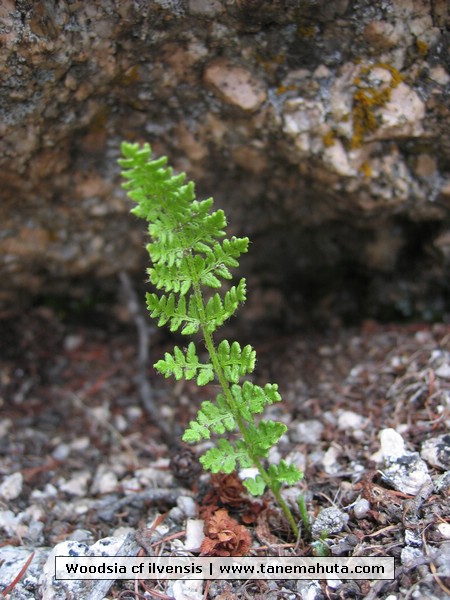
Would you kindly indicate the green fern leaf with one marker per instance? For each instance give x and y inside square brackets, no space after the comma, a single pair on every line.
[255,486]
[185,364]
[236,362]
[210,418]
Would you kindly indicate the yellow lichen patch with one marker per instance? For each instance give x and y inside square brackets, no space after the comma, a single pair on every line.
[130,76]
[282,89]
[328,139]
[366,99]
[366,169]
[422,47]
[306,31]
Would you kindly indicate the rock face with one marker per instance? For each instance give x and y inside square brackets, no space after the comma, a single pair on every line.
[322,128]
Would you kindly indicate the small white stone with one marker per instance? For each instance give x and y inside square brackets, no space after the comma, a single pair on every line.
[329,460]
[187,505]
[80,443]
[120,423]
[72,342]
[334,584]
[8,521]
[105,481]
[361,508]
[187,589]
[11,486]
[307,432]
[443,371]
[444,530]
[392,444]
[61,452]
[77,485]
[5,426]
[251,472]
[348,419]
[194,535]
[411,557]
[436,451]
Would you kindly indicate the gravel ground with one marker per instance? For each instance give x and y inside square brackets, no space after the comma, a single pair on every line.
[90,460]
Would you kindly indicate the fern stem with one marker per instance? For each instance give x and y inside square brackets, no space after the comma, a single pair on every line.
[224,384]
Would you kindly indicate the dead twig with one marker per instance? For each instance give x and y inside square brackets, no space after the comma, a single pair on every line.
[143,332]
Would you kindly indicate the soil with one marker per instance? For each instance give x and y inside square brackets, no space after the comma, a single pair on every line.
[78,423]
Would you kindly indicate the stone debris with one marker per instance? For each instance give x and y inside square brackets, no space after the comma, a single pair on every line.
[11,486]
[187,589]
[436,451]
[403,470]
[52,589]
[194,535]
[329,520]
[361,508]
[235,85]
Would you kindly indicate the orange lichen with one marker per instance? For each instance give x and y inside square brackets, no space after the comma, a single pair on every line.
[306,31]
[282,89]
[366,169]
[422,47]
[328,139]
[366,99]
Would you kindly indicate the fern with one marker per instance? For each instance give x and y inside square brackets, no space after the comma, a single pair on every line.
[190,253]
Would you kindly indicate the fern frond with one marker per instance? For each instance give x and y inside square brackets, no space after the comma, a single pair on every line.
[236,361]
[185,365]
[251,399]
[226,456]
[167,310]
[190,252]
[211,417]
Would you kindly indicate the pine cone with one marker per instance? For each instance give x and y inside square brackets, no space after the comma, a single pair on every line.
[184,465]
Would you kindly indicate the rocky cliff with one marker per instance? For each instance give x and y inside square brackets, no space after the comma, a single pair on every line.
[322,128]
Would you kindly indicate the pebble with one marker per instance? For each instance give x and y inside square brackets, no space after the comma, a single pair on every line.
[361,508]
[187,505]
[443,371]
[105,481]
[407,474]
[329,520]
[392,444]
[413,538]
[329,460]
[61,452]
[309,590]
[11,486]
[307,432]
[442,483]
[404,471]
[334,584]
[8,521]
[444,530]
[348,419]
[77,485]
[436,451]
[12,560]
[194,535]
[187,589]
[411,557]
